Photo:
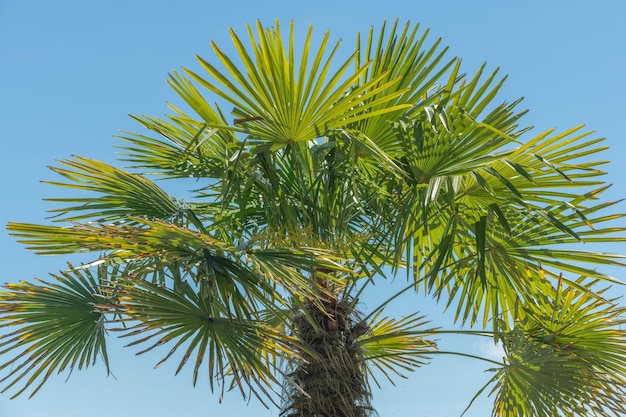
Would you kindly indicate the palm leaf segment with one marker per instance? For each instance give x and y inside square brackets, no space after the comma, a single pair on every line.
[400,162]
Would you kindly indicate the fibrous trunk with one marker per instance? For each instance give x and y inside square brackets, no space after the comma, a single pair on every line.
[329,380]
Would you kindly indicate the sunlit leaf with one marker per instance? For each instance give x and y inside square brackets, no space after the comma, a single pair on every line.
[50,327]
[564,356]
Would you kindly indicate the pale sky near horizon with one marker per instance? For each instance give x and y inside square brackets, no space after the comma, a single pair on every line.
[71,71]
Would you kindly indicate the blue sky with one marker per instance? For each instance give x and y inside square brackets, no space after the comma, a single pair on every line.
[71,71]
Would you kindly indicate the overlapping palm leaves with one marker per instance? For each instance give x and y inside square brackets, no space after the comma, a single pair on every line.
[327,179]
[564,356]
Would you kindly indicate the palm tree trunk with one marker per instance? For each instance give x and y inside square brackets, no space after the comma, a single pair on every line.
[330,379]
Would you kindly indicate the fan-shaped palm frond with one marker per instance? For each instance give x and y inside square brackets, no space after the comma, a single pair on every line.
[57,328]
[277,100]
[477,210]
[159,244]
[120,194]
[420,71]
[393,345]
[184,148]
[564,356]
[242,348]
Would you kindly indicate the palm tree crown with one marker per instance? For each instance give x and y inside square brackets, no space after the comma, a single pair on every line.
[333,174]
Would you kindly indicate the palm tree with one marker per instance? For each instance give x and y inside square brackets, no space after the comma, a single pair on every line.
[335,174]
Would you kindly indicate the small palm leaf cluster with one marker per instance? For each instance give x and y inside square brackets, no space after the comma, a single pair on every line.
[335,172]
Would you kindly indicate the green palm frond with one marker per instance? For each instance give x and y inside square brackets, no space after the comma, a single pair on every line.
[242,349]
[420,72]
[564,356]
[395,345]
[120,194]
[148,238]
[277,100]
[552,167]
[183,148]
[159,243]
[480,211]
[521,259]
[445,166]
[58,328]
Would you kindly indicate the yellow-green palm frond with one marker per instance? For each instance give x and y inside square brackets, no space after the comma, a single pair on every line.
[421,71]
[519,262]
[448,154]
[157,243]
[280,99]
[545,171]
[57,328]
[120,194]
[147,238]
[236,350]
[564,356]
[481,226]
[393,346]
[182,148]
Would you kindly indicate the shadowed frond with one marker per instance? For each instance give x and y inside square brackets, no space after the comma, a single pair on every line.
[159,243]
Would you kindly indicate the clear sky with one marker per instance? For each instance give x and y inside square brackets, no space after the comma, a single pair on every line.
[71,71]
